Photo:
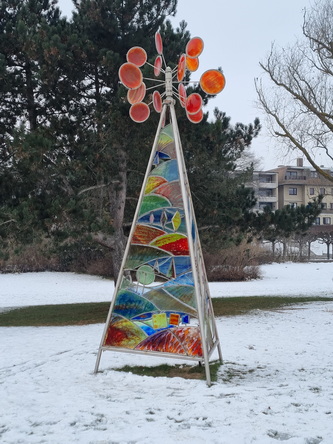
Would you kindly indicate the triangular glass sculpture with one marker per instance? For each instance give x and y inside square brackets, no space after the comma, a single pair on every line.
[162,303]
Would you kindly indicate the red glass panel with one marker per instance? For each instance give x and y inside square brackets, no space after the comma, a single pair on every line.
[157,66]
[182,94]
[158,43]
[192,64]
[137,55]
[194,47]
[195,118]
[139,112]
[181,67]
[193,103]
[130,75]
[136,95]
[212,81]
[157,101]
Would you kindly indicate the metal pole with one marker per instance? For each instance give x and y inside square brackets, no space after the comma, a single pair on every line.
[188,219]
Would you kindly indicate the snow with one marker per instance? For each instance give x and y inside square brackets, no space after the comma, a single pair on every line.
[276,383]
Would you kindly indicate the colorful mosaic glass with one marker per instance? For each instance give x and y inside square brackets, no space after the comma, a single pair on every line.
[157,289]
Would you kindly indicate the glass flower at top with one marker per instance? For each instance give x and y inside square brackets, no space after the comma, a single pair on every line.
[211,82]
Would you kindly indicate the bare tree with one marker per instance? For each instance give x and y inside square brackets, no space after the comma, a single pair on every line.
[298,94]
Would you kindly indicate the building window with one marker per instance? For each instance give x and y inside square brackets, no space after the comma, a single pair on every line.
[317,221]
[313,174]
[331,206]
[291,175]
[323,205]
[322,191]
[311,191]
[326,220]
[292,191]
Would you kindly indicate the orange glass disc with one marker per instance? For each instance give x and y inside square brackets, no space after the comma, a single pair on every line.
[195,118]
[194,47]
[182,94]
[136,95]
[193,103]
[192,64]
[157,66]
[212,81]
[158,43]
[137,55]
[181,68]
[130,75]
[139,112]
[157,101]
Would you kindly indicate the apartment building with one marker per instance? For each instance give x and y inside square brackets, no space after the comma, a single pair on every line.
[265,186]
[298,185]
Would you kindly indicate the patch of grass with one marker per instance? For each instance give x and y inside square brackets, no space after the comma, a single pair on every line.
[242,305]
[174,371]
[93,313]
[58,315]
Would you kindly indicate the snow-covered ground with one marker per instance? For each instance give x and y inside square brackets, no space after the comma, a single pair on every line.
[289,279]
[276,383]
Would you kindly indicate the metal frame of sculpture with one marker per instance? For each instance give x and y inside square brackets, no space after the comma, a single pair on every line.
[161,303]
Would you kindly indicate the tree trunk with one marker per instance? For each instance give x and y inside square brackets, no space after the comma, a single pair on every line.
[117,198]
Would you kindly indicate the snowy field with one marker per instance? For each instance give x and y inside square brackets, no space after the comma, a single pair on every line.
[276,384]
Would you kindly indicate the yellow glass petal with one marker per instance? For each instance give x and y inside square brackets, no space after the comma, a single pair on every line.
[176,221]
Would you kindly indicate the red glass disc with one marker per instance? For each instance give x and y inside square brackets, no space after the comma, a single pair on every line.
[194,47]
[182,94]
[130,75]
[158,43]
[139,112]
[157,66]
[181,68]
[157,101]
[193,103]
[212,81]
[137,55]
[136,95]
[195,118]
[192,64]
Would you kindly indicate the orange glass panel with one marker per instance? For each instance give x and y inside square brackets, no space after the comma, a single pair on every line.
[212,81]
[139,112]
[192,64]
[136,95]
[194,47]
[158,43]
[182,94]
[181,68]
[193,103]
[157,101]
[195,118]
[157,66]
[130,75]
[137,55]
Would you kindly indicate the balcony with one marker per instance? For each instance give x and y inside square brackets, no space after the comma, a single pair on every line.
[294,178]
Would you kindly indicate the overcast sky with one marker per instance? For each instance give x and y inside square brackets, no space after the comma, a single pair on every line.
[237,35]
